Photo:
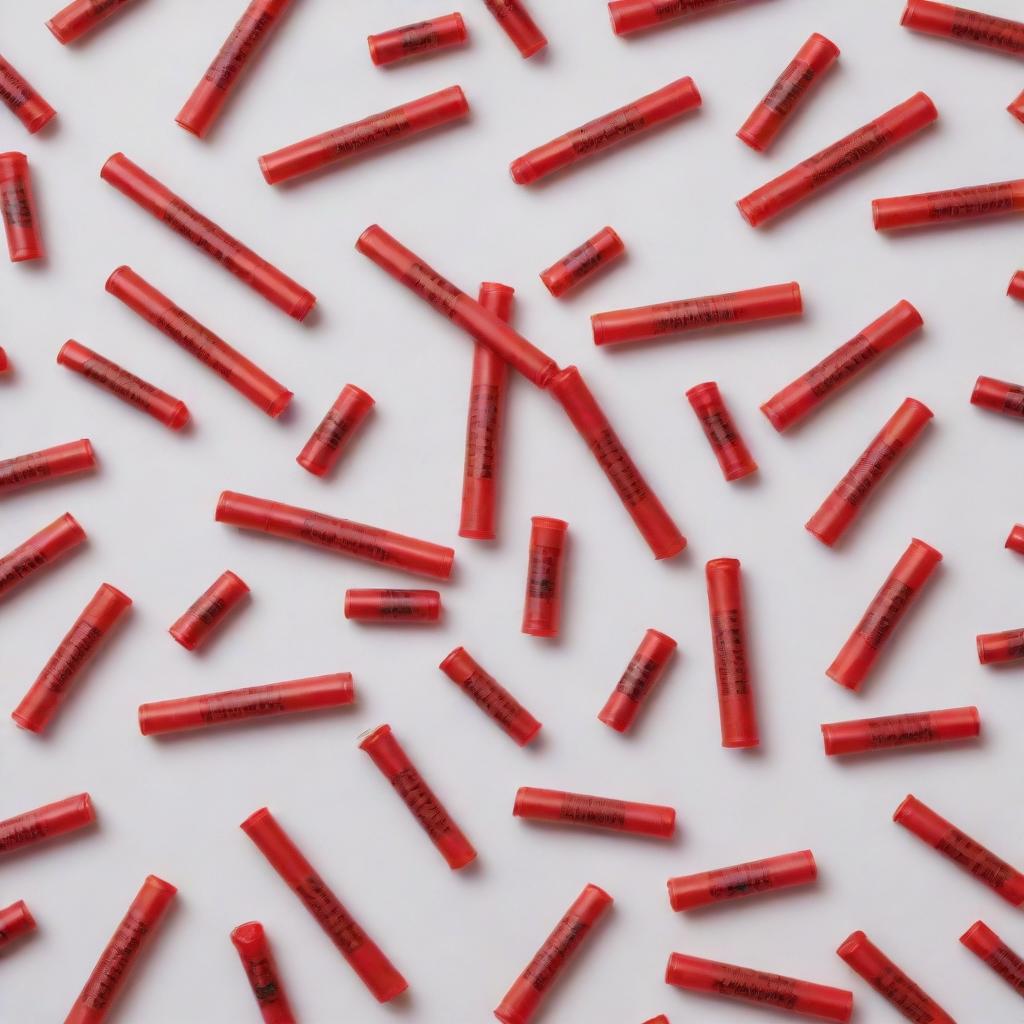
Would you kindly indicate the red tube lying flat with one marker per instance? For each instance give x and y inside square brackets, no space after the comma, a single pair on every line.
[1015,539]
[595,254]
[630,16]
[642,674]
[16,921]
[595,812]
[40,550]
[22,100]
[864,735]
[999,647]
[985,944]
[49,464]
[1017,107]
[999,396]
[685,892]
[81,17]
[335,432]
[542,605]
[253,947]
[18,207]
[964,26]
[207,613]
[518,25]
[716,421]
[954,204]
[393,606]
[46,822]
[414,40]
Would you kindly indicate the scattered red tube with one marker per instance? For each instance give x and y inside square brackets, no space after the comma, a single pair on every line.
[261,971]
[120,956]
[17,202]
[642,674]
[49,464]
[46,822]
[1015,540]
[866,735]
[208,612]
[654,523]
[886,449]
[964,26]
[168,410]
[660,1019]
[518,25]
[393,606]
[40,550]
[999,396]
[862,146]
[79,646]
[630,16]
[595,254]
[686,892]
[954,204]
[1017,107]
[184,219]
[528,991]
[414,40]
[839,368]
[994,648]
[22,100]
[257,24]
[490,696]
[985,944]
[16,921]
[395,766]
[4,363]
[81,17]
[334,434]
[720,429]
[791,88]
[542,606]
[1016,287]
[595,812]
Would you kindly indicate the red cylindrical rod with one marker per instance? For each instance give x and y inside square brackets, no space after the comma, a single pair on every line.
[207,613]
[999,396]
[801,77]
[839,368]
[890,982]
[584,262]
[518,25]
[899,591]
[41,549]
[334,435]
[595,811]
[413,40]
[252,30]
[4,362]
[120,956]
[648,513]
[665,104]
[315,693]
[1016,287]
[1015,539]
[630,16]
[954,204]
[804,998]
[685,892]
[490,696]
[73,653]
[965,26]
[1017,107]
[170,411]
[393,606]
[998,647]
[642,674]
[863,735]
[394,764]
[886,449]
[49,464]
[18,205]
[542,606]
[22,100]
[253,947]
[16,921]
[46,822]
[862,146]
[719,428]
[82,16]
[485,423]
[184,219]
[985,944]
[736,707]
[528,991]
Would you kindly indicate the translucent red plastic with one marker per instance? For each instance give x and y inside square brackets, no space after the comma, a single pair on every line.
[964,26]
[985,944]
[1015,540]
[999,396]
[841,367]
[686,892]
[595,812]
[720,429]
[168,410]
[22,100]
[887,449]
[46,822]
[999,647]
[18,204]
[394,764]
[79,646]
[542,606]
[860,147]
[40,550]
[865,735]
[182,218]
[490,696]
[373,132]
[1016,287]
[595,254]
[654,523]
[244,376]
[261,971]
[950,205]
[427,36]
[4,362]
[801,76]
[209,611]
[393,606]
[660,1019]
[642,674]
[665,104]
[518,25]
[16,921]
[49,464]
[529,990]
[334,434]
[630,16]
[81,17]
[1017,107]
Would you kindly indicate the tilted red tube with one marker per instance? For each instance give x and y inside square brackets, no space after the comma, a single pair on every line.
[731,451]
[81,17]
[642,674]
[518,25]
[16,921]
[261,971]
[22,100]
[334,434]
[207,613]
[49,464]
[46,822]
[595,254]
[988,947]
[964,26]
[40,550]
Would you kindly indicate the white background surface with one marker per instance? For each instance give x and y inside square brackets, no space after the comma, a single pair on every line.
[173,808]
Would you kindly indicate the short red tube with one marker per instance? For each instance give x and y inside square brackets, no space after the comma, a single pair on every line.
[1015,539]
[18,204]
[209,611]
[46,822]
[529,990]
[1016,287]
[253,948]
[606,132]
[16,921]
[642,674]
[595,812]
[542,606]
[584,262]
[393,606]
[168,410]
[40,550]
[49,464]
[4,362]
[686,892]
[182,218]
[1017,107]
[862,146]
[999,647]
[244,376]
[630,16]
[801,76]
[954,204]
[964,26]
[81,16]
[985,944]
[886,449]
[720,429]
[518,25]
[22,100]
[999,396]
[490,696]
[865,735]
[79,646]
[414,40]
[335,432]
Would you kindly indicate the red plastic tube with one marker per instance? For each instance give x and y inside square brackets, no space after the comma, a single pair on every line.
[4,364]
[642,674]
[372,132]
[1017,107]
[528,991]
[79,646]
[485,423]
[252,30]
[168,410]
[542,606]
[584,262]
[207,613]
[1016,287]
[46,822]
[334,435]
[490,696]
[518,25]
[244,376]
[865,735]
[81,17]
[862,146]
[954,204]
[49,464]
[887,448]
[736,706]
[155,198]
[315,693]
[16,921]
[791,88]
[899,591]
[121,954]
[595,812]
[964,26]
[648,513]
[642,323]
[999,647]
[665,104]
[999,396]
[890,982]
[963,851]
[253,947]
[393,606]
[40,550]
[686,892]
[660,1019]
[630,16]
[368,543]
[985,944]
[22,100]
[17,202]
[720,429]
[477,321]
[841,367]
[1015,540]
[413,40]
[803,998]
